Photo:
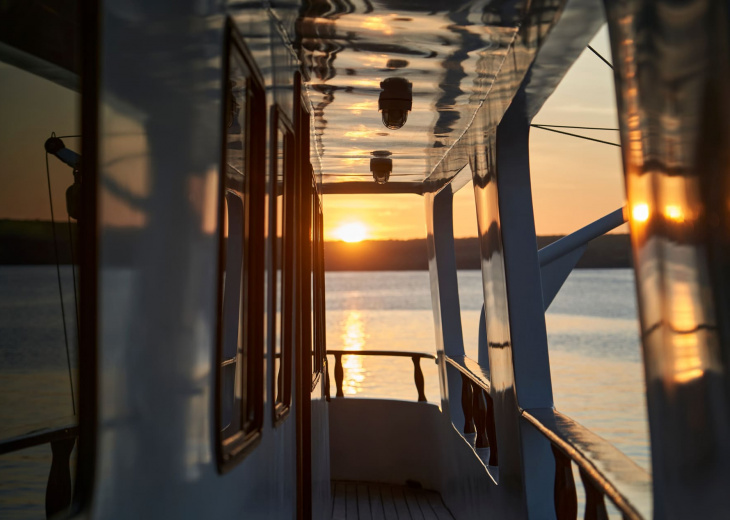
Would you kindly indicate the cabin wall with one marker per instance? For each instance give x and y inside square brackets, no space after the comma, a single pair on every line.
[160,161]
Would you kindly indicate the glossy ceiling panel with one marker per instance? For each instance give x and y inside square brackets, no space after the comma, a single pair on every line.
[450,57]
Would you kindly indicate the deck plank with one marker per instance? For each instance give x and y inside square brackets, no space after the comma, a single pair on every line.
[352,513]
[339,505]
[399,500]
[426,509]
[386,493]
[363,503]
[374,501]
[413,506]
[437,503]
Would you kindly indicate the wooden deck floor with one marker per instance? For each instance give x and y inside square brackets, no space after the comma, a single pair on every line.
[370,501]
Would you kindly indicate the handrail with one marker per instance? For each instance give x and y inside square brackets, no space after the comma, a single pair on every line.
[396,353]
[36,438]
[62,441]
[604,469]
[415,357]
[472,370]
[477,404]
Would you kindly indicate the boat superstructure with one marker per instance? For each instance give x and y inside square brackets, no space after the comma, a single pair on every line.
[187,246]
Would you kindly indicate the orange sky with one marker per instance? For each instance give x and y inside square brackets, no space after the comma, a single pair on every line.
[574,181]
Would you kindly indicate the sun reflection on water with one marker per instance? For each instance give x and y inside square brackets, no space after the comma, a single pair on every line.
[353,338]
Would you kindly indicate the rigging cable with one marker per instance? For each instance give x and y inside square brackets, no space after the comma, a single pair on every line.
[60,289]
[73,274]
[579,127]
[552,128]
[594,51]
[543,127]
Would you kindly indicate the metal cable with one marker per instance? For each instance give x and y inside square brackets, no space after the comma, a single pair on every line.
[594,51]
[60,288]
[577,127]
[575,135]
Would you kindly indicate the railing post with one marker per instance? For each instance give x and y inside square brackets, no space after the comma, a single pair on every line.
[491,432]
[326,379]
[418,377]
[595,505]
[566,501]
[339,375]
[466,405]
[480,416]
[58,489]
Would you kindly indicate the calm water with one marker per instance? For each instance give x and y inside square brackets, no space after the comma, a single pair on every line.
[592,333]
[34,378]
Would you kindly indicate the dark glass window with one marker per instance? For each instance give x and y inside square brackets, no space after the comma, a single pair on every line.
[281,326]
[317,287]
[240,375]
[40,204]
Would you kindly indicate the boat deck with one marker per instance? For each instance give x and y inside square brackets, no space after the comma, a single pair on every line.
[373,501]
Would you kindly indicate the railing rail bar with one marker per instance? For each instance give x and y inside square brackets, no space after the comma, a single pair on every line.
[396,353]
[37,438]
[480,380]
[230,361]
[608,488]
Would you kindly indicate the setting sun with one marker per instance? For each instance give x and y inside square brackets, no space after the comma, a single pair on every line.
[352,232]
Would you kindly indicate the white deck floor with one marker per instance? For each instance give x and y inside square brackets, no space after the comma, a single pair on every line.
[372,501]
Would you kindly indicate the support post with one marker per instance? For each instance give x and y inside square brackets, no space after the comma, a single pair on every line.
[467,405]
[339,375]
[58,489]
[566,501]
[418,377]
[595,505]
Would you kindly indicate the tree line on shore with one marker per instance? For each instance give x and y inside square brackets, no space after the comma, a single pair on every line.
[32,242]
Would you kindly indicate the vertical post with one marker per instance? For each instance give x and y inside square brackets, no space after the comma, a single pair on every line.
[524,349]
[566,501]
[444,291]
[326,379]
[674,117]
[58,489]
[418,377]
[466,405]
[480,416]
[491,432]
[339,374]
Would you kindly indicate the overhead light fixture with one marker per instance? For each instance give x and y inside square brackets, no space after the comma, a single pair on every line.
[381,165]
[395,101]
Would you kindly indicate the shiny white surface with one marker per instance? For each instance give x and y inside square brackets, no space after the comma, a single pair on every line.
[159,165]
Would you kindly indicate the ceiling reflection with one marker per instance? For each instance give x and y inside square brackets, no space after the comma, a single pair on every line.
[449,58]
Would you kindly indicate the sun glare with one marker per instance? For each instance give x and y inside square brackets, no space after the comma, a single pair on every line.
[353,232]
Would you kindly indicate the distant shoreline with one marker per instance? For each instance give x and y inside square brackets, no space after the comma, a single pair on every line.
[30,242]
[608,251]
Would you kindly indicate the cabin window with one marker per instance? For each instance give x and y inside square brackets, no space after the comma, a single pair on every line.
[320,336]
[281,325]
[317,286]
[40,260]
[240,374]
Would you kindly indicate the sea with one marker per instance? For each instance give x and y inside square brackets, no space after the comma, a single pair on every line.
[592,328]
[593,342]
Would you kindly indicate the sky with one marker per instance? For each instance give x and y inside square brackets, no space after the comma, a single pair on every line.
[574,181]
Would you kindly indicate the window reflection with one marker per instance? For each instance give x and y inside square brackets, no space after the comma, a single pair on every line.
[39,277]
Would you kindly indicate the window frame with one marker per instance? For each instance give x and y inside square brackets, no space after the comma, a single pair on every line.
[231,449]
[317,285]
[284,338]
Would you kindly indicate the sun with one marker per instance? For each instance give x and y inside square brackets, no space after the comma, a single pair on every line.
[352,232]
